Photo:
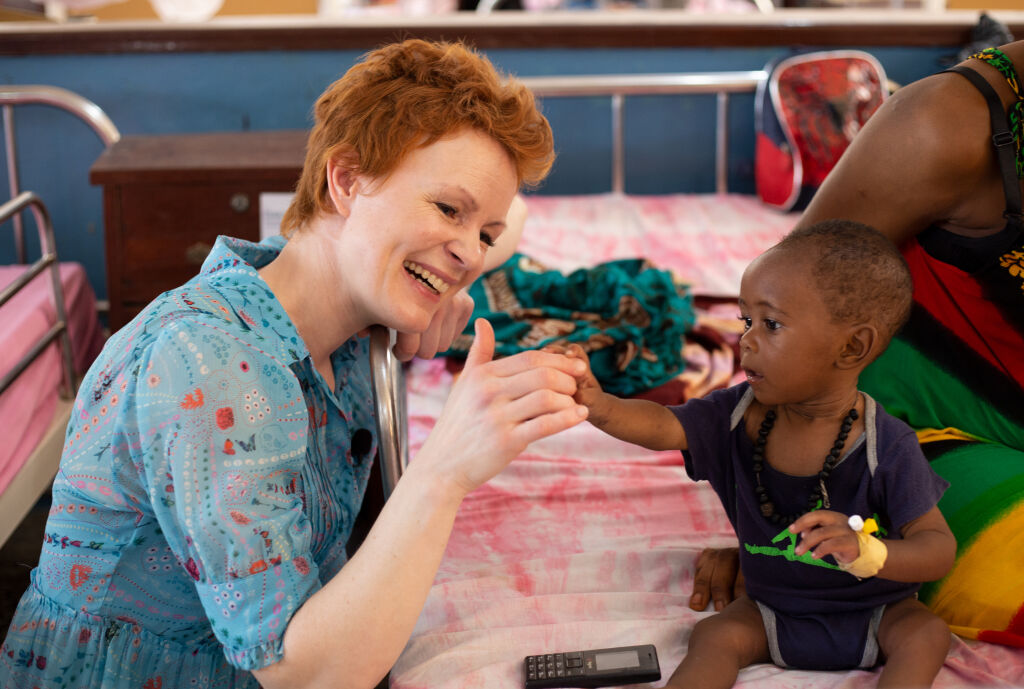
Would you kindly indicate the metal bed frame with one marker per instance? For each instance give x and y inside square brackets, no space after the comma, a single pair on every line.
[41,466]
[387,371]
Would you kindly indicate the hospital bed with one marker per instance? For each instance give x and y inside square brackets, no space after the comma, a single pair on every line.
[49,330]
[586,542]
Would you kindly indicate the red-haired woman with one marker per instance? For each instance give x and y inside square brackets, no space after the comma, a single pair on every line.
[221,444]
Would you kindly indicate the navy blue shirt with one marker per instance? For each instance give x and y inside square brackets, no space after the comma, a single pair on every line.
[901,488]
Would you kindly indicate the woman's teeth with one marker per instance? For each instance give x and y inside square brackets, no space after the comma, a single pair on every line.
[432,281]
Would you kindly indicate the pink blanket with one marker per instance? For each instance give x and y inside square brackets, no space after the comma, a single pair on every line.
[587,542]
[26,408]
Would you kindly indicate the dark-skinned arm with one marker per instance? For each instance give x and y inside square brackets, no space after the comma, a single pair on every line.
[913,163]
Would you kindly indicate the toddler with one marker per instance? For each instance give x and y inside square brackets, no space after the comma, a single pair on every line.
[801,460]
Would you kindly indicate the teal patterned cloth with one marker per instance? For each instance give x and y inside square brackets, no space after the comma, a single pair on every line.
[629,316]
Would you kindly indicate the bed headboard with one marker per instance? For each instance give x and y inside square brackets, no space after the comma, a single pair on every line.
[618,86]
[83,108]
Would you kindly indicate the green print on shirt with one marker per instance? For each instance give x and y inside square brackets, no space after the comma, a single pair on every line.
[788,552]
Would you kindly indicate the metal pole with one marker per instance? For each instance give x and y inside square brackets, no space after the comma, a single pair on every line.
[13,183]
[618,145]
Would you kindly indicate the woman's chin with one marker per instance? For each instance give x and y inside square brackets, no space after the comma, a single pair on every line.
[412,324]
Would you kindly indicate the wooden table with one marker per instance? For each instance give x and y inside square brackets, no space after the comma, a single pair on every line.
[166,199]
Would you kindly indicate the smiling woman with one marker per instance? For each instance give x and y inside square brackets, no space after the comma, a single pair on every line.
[221,444]
[410,235]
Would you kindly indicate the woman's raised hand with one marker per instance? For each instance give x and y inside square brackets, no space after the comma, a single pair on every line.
[445,326]
[498,407]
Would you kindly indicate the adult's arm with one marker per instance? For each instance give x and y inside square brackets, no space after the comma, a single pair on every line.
[922,158]
[350,633]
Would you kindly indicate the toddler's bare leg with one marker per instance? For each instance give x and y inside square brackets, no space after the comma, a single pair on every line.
[721,645]
[915,642]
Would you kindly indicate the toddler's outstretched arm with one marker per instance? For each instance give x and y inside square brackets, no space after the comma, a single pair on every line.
[636,421]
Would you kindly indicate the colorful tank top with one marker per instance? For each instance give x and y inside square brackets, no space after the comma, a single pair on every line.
[969,292]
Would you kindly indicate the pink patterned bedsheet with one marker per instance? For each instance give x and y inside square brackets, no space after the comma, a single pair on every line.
[588,542]
[705,239]
[26,408]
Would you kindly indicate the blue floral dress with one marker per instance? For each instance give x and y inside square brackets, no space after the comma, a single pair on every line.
[209,483]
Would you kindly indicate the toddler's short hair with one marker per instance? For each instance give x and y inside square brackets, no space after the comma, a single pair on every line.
[860,272]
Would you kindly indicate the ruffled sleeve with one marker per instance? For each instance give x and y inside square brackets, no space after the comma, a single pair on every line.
[223,432]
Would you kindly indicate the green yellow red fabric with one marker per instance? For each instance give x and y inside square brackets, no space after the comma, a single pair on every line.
[956,373]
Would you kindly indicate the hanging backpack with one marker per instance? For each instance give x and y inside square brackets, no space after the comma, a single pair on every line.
[807,111]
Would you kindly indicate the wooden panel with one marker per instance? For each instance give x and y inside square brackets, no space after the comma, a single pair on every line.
[166,228]
[503,30]
[270,156]
[167,198]
[114,231]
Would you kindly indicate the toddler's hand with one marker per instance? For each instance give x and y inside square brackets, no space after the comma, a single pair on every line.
[824,532]
[588,389]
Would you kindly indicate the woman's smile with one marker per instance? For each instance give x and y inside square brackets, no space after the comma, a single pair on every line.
[435,283]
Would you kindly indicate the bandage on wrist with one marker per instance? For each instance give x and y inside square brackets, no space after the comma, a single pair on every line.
[871,559]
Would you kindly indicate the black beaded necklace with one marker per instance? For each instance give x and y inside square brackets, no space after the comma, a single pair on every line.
[819,493]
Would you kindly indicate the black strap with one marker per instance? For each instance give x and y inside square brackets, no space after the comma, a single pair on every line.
[1002,139]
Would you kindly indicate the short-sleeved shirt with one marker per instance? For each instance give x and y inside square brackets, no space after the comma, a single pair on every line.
[208,486]
[901,488]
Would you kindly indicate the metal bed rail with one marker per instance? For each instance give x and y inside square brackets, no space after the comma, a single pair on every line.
[618,86]
[56,97]
[48,260]
[389,398]
[38,471]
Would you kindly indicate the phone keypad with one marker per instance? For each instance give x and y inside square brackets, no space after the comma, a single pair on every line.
[554,665]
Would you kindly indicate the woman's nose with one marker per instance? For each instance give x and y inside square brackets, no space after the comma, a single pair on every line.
[466,250]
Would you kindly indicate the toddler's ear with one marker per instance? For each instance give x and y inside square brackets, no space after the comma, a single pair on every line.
[859,350]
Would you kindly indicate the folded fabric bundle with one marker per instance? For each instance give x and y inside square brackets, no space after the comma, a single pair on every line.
[630,317]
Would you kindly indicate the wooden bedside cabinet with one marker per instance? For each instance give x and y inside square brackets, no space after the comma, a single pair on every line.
[167,197]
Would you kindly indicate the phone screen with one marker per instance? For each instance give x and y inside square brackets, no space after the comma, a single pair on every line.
[617,660]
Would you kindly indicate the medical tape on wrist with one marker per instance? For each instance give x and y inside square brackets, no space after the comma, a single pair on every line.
[872,555]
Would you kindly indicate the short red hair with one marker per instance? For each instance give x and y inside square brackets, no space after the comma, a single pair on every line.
[410,94]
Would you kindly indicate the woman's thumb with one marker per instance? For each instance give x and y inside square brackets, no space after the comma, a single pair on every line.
[482,349]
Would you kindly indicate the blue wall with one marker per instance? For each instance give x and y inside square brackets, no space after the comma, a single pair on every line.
[669,142]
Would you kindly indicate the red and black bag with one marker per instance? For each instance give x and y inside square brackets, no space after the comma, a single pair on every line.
[806,113]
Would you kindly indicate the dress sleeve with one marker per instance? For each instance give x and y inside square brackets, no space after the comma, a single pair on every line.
[222,429]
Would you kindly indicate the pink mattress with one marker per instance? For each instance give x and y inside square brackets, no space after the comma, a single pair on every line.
[27,406]
[706,239]
[587,542]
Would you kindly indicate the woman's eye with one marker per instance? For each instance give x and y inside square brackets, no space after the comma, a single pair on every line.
[447,210]
[745,320]
[486,239]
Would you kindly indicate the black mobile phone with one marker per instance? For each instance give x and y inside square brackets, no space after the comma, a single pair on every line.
[602,667]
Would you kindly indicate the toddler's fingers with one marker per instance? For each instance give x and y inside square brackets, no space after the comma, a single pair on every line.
[575,350]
